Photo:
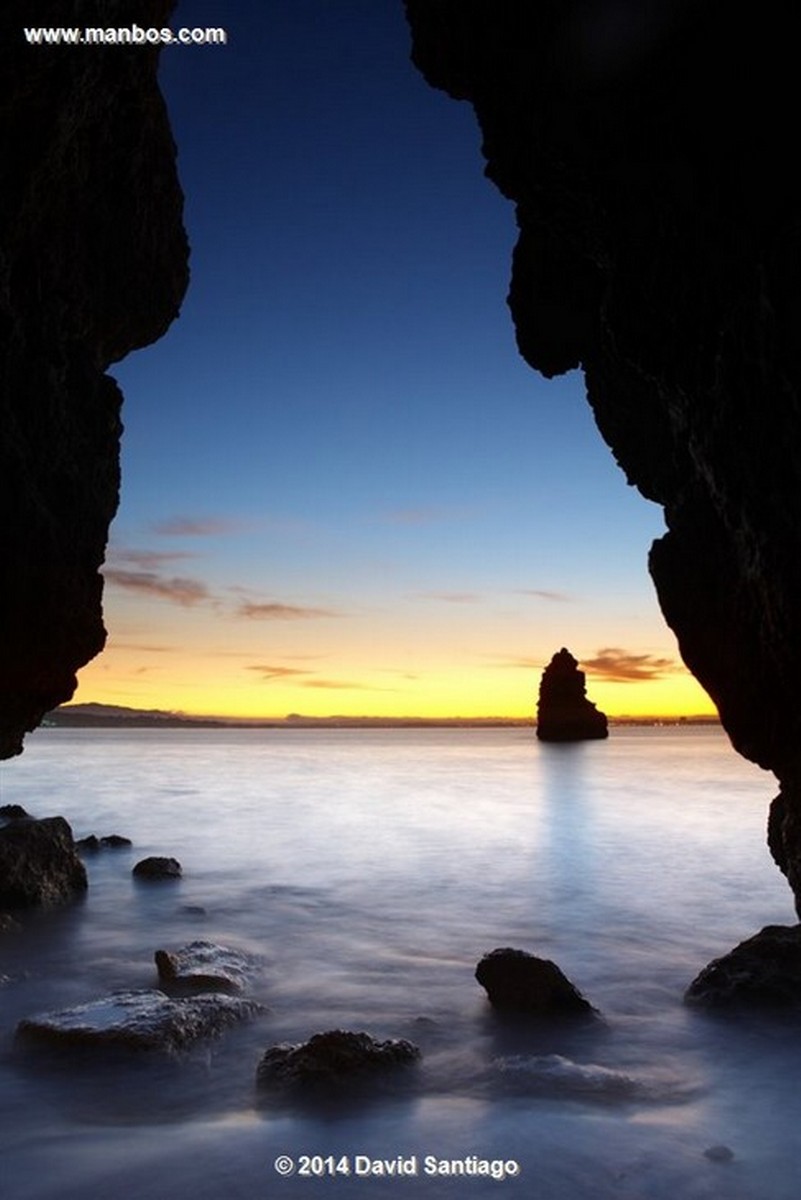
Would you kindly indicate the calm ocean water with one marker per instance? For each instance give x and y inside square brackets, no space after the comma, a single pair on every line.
[370,871]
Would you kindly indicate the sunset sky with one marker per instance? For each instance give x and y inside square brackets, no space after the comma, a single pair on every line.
[343,490]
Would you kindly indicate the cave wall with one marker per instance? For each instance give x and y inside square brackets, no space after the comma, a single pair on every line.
[645,146]
[93,264]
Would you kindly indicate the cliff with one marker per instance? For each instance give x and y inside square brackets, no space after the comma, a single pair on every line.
[564,714]
[645,149]
[93,264]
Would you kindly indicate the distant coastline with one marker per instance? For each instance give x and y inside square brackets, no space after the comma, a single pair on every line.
[114,716]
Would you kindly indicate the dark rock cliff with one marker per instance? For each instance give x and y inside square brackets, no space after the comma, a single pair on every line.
[93,264]
[645,148]
[564,714]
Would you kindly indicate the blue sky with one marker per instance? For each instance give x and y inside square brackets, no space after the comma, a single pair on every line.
[343,490]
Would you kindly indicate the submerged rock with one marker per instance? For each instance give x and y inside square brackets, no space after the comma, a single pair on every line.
[157,868]
[564,714]
[145,1019]
[203,966]
[335,1055]
[38,864]
[763,971]
[92,843]
[520,982]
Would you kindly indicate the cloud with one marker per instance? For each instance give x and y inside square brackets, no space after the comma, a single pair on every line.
[618,666]
[342,684]
[451,597]
[284,612]
[545,594]
[271,673]
[526,664]
[185,592]
[113,644]
[195,526]
[149,559]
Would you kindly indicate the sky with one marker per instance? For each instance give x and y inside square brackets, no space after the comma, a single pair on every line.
[344,492]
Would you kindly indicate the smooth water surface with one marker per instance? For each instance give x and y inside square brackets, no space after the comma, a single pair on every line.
[369,871]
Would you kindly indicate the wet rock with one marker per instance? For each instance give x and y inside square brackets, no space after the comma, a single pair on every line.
[204,966]
[719,1154]
[564,714]
[157,868]
[763,971]
[38,864]
[14,812]
[520,982]
[146,1019]
[332,1056]
[92,843]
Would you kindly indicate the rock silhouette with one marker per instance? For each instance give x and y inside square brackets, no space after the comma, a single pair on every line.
[517,981]
[564,714]
[659,252]
[93,264]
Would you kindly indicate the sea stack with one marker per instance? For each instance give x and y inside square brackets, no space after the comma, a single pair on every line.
[564,714]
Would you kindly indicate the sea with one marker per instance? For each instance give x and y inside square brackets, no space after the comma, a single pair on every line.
[367,872]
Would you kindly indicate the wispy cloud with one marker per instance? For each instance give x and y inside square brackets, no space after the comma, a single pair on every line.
[526,664]
[195,526]
[284,612]
[148,559]
[342,685]
[185,592]
[113,644]
[451,597]
[545,594]
[271,673]
[619,666]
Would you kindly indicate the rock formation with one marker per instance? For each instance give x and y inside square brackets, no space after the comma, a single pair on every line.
[157,868]
[93,264]
[520,982]
[564,714]
[39,866]
[332,1057]
[645,148]
[763,972]
[205,967]
[143,1020]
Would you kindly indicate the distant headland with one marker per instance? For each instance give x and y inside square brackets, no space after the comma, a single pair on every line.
[117,716]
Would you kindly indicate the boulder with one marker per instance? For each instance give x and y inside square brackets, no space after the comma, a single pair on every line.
[520,982]
[146,1019]
[13,812]
[38,864]
[203,967]
[762,972]
[91,844]
[332,1056]
[564,714]
[154,868]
